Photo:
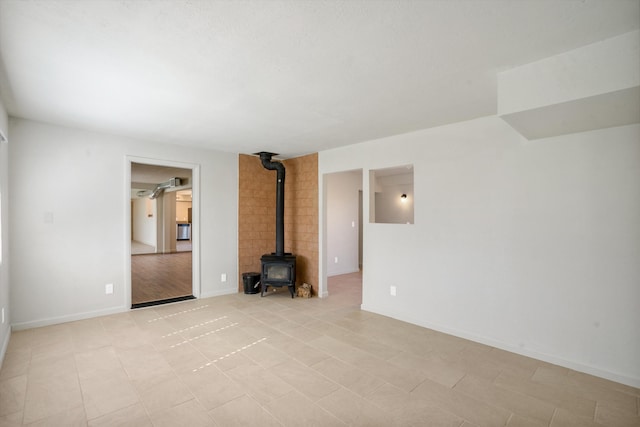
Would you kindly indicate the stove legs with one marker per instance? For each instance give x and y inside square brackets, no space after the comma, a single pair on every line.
[292,289]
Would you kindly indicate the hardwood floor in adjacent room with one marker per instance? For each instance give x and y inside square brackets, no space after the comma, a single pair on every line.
[156,277]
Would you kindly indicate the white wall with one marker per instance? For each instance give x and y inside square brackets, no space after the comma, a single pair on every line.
[69,207]
[144,226]
[532,247]
[603,67]
[593,87]
[182,210]
[342,213]
[5,330]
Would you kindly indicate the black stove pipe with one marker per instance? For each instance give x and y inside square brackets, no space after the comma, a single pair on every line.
[265,157]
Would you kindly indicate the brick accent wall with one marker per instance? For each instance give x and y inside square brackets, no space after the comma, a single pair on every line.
[257,215]
[301,216]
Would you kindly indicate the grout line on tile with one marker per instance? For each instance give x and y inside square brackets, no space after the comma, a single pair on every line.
[458,382]
[553,416]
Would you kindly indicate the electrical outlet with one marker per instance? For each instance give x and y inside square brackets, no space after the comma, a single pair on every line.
[108,288]
[223,277]
[3,315]
[335,260]
[392,291]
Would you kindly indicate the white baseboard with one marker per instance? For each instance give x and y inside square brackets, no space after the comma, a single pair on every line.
[341,272]
[90,314]
[587,369]
[69,318]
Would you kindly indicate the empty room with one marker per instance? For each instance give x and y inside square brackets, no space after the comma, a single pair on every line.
[320,213]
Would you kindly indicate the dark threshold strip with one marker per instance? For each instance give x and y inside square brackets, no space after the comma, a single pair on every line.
[162,301]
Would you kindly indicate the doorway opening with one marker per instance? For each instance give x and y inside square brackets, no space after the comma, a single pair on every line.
[343,225]
[162,232]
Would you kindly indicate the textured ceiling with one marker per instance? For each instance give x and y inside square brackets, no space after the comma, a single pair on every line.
[290,77]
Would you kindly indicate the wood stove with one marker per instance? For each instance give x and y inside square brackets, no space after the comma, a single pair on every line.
[278,271]
[278,268]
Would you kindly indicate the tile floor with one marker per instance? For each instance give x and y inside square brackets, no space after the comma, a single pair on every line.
[276,361]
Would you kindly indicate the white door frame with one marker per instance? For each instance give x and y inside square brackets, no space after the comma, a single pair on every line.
[195,218]
[323,289]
